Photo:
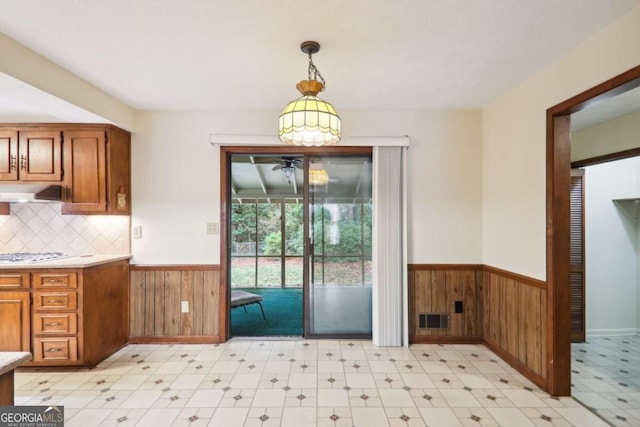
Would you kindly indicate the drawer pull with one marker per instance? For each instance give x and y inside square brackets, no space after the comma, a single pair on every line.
[53,350]
[53,324]
[55,301]
[54,281]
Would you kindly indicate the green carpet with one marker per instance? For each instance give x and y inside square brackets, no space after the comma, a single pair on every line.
[282,307]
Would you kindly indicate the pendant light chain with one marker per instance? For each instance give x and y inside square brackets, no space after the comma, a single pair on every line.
[313,70]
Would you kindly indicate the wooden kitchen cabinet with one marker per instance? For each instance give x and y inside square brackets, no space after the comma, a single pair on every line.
[15,332]
[97,171]
[15,306]
[91,161]
[65,317]
[30,155]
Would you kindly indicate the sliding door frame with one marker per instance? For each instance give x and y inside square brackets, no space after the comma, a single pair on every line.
[225,210]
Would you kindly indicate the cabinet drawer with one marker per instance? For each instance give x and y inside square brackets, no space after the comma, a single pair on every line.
[55,323]
[55,300]
[62,279]
[14,281]
[55,349]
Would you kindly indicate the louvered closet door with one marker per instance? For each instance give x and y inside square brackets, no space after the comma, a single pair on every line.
[577,275]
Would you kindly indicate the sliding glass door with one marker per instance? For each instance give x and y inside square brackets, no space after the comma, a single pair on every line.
[339,249]
[299,248]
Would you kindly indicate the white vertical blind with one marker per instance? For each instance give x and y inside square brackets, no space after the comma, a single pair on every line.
[389,295]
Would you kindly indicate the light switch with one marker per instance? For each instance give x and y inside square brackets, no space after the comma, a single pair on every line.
[184,306]
[213,228]
[137,231]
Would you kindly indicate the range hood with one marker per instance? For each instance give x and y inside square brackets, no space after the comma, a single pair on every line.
[30,193]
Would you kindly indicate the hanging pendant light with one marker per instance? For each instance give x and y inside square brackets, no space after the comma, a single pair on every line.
[309,120]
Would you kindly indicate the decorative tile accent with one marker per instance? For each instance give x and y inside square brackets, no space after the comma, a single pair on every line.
[264,418]
[41,227]
[123,419]
[334,417]
[193,418]
[545,417]
[404,417]
[237,397]
[475,418]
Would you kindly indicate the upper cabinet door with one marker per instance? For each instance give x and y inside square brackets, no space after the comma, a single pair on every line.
[85,185]
[39,156]
[8,155]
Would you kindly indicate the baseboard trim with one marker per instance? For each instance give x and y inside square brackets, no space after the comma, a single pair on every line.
[168,339]
[612,332]
[527,372]
[434,339]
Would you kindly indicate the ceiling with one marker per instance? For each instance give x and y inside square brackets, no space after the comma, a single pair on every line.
[605,110]
[244,54]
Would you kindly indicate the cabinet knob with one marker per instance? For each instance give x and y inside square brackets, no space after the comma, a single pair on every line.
[53,350]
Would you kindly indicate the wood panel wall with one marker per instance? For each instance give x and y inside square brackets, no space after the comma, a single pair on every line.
[156,294]
[435,289]
[514,321]
[503,310]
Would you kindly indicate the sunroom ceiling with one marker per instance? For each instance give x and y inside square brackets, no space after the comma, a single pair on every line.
[262,177]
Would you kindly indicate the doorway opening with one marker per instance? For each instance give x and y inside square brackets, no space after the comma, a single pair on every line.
[296,242]
[558,222]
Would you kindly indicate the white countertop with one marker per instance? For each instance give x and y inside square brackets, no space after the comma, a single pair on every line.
[73,262]
[10,360]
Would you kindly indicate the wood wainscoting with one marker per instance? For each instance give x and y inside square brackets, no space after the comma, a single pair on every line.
[503,310]
[156,296]
[435,288]
[514,310]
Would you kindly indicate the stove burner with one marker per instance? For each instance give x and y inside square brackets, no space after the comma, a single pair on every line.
[26,257]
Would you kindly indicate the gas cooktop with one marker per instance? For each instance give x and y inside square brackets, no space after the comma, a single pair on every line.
[29,258]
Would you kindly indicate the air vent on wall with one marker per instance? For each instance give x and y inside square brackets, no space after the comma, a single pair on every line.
[433,321]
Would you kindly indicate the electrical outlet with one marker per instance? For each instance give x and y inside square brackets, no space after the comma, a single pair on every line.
[213,228]
[184,306]
[137,231]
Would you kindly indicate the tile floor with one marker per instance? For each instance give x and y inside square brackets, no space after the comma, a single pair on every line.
[299,383]
[605,376]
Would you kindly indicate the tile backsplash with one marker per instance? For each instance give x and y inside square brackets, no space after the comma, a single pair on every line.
[40,227]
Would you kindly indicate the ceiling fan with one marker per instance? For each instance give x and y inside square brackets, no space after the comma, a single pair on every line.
[287,164]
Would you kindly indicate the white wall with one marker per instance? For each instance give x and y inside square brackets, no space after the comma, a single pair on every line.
[619,134]
[611,248]
[175,174]
[514,145]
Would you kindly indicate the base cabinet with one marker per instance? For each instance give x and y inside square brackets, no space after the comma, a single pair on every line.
[65,317]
